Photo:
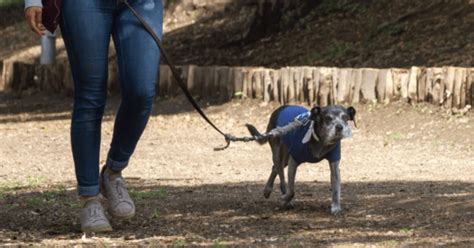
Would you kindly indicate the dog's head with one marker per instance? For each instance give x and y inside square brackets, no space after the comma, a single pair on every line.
[331,123]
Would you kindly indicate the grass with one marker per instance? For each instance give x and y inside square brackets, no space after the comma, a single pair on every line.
[218,244]
[407,230]
[8,3]
[395,136]
[156,213]
[29,183]
[160,193]
[180,243]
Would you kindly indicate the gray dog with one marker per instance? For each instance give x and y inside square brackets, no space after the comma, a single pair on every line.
[316,137]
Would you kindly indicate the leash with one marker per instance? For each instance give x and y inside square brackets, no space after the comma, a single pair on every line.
[228,137]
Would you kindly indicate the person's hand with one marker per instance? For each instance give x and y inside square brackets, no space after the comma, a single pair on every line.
[34,19]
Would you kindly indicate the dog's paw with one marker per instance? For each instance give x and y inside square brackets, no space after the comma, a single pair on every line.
[267,191]
[287,205]
[336,210]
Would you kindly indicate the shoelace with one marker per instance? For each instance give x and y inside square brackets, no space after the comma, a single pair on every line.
[95,210]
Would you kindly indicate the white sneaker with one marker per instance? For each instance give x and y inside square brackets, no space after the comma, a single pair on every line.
[93,218]
[120,205]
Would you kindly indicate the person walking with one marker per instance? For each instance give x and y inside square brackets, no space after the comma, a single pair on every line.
[86,27]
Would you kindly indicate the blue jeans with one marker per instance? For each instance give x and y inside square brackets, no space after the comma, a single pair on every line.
[86,28]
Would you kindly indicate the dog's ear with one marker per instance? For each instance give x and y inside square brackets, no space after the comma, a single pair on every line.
[352,112]
[315,111]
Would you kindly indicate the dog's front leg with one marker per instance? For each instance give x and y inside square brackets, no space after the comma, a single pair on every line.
[290,193]
[335,188]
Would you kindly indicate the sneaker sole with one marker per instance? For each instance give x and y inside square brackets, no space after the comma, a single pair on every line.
[120,217]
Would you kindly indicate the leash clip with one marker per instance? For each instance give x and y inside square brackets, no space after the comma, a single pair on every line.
[228,138]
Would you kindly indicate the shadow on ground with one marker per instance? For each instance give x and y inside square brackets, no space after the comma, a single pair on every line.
[44,106]
[383,213]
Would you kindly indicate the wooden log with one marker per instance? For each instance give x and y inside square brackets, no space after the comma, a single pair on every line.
[400,81]
[458,88]
[276,84]
[165,81]
[298,75]
[285,85]
[470,87]
[50,77]
[315,94]
[380,88]
[247,82]
[238,81]
[291,86]
[325,86]
[230,90]
[18,75]
[429,84]
[389,85]
[267,85]
[422,85]
[252,84]
[190,72]
[343,85]
[308,84]
[113,81]
[257,82]
[462,97]
[334,85]
[2,86]
[357,82]
[223,83]
[434,81]
[199,83]
[369,82]
[8,75]
[412,84]
[449,87]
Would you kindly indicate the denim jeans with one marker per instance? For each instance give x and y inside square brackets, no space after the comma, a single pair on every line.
[87,26]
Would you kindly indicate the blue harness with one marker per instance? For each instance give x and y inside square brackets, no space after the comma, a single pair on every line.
[293,140]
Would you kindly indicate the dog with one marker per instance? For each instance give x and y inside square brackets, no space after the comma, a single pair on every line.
[318,137]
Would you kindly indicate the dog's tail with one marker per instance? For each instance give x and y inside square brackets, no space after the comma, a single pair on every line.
[254,132]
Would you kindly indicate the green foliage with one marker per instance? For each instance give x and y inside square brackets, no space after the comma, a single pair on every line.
[329,6]
[7,3]
[179,243]
[30,183]
[407,230]
[339,49]
[160,193]
[156,213]
[218,244]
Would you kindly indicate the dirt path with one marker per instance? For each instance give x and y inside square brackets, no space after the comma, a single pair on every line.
[407,179]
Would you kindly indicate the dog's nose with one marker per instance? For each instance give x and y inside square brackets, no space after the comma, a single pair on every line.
[339,128]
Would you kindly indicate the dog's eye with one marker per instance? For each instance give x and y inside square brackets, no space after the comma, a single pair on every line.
[328,118]
[345,117]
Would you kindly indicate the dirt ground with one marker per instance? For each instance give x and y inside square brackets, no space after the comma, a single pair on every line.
[407,180]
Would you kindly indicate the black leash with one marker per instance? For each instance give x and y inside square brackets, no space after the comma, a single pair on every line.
[228,137]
